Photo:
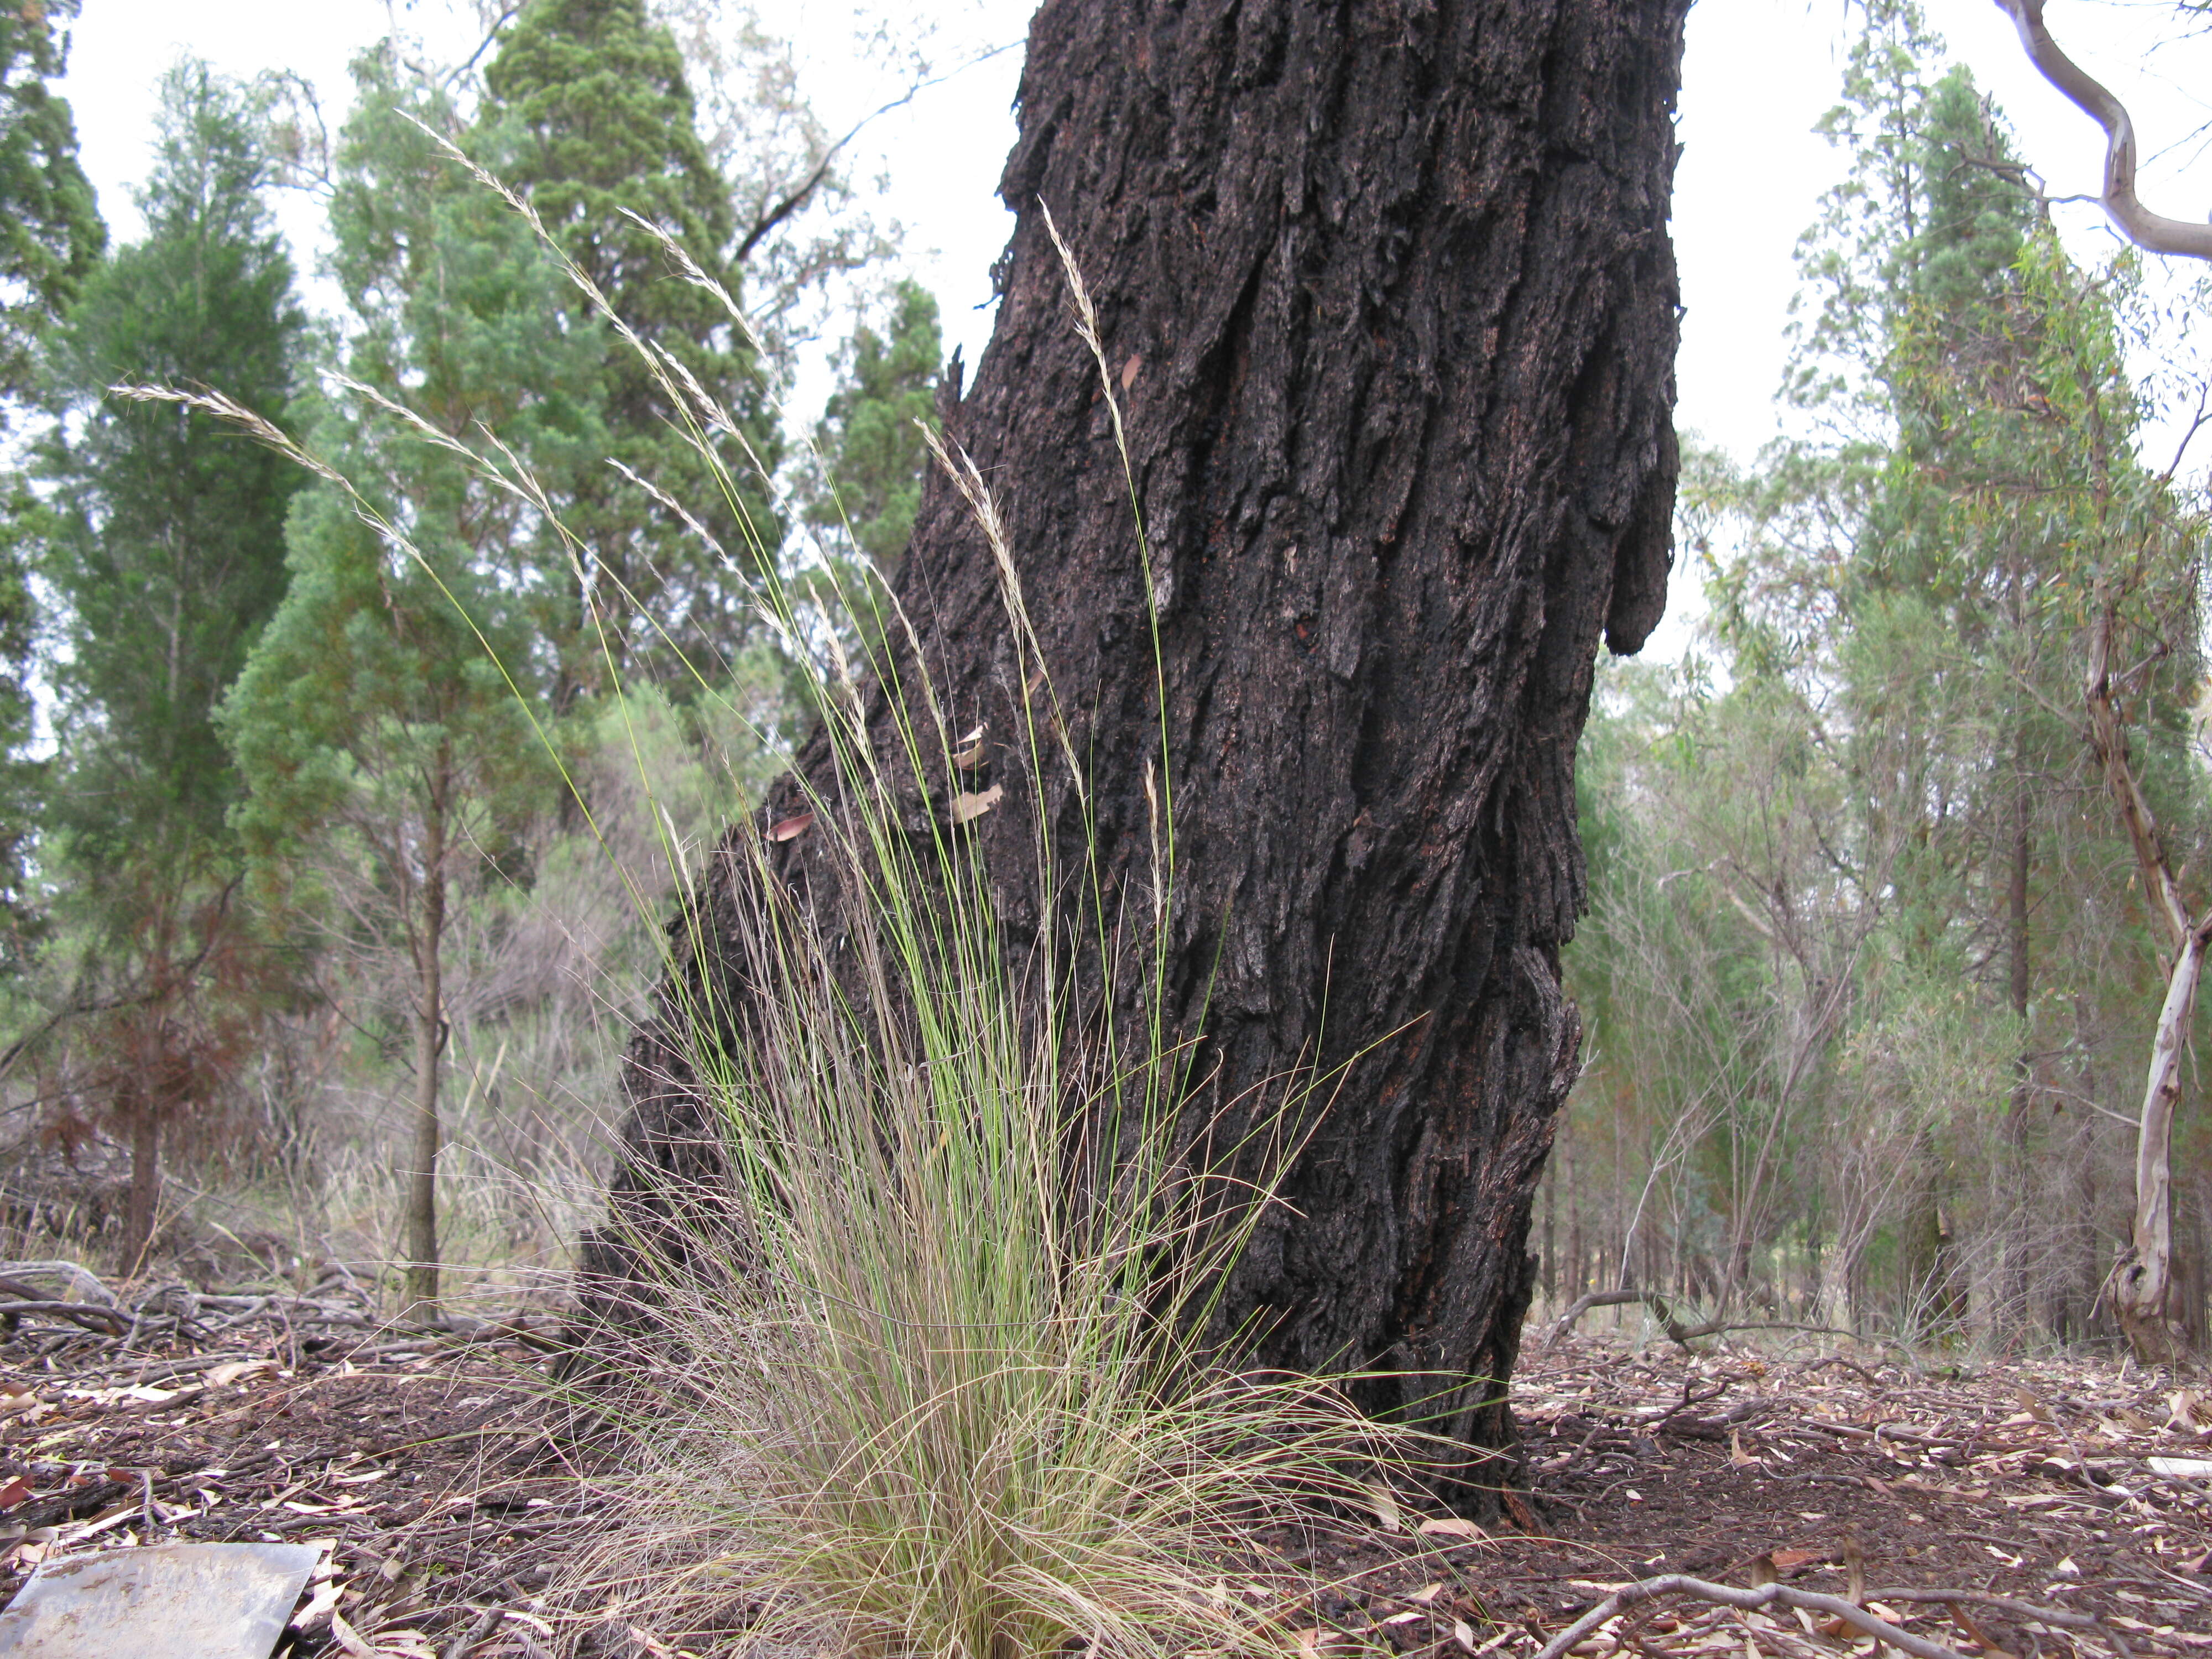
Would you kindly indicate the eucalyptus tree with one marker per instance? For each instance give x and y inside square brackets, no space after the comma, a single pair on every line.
[1397,390]
[1919,581]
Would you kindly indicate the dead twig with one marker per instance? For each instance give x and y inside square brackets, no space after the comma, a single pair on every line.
[2056,1616]
[90,1316]
[1677,1333]
[1822,1363]
[482,1626]
[1744,1601]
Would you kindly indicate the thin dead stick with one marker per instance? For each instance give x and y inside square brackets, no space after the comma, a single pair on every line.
[2058,1616]
[1744,1601]
[473,1637]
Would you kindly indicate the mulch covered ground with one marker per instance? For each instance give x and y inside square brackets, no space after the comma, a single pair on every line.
[2033,1508]
[2036,1495]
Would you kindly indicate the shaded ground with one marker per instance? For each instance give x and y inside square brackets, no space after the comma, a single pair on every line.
[431,1468]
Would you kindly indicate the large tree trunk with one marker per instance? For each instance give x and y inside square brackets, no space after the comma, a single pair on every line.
[1388,291]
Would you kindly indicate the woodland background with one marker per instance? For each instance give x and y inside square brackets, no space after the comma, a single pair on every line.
[293,852]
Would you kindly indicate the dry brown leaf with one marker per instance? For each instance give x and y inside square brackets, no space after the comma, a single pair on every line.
[967,753]
[792,828]
[1451,1525]
[1384,1503]
[1463,1634]
[1427,1593]
[1737,1455]
[966,808]
[1129,371]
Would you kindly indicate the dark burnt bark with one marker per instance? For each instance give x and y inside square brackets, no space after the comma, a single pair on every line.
[1388,290]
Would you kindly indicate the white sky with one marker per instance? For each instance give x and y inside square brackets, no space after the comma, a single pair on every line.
[1759,74]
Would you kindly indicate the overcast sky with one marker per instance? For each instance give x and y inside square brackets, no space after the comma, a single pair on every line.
[1759,74]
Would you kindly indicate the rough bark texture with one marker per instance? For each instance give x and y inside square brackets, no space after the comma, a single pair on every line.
[1389,292]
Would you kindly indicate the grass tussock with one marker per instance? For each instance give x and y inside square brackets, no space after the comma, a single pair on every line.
[939,1381]
[954,1395]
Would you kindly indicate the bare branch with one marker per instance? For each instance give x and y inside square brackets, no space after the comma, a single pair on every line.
[799,195]
[2146,229]
[484,45]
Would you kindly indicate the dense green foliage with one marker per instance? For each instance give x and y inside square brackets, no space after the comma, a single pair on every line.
[159,530]
[345,802]
[50,234]
[587,112]
[165,535]
[870,438]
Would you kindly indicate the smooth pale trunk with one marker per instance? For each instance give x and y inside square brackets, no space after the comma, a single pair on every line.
[2143,1283]
[2142,1278]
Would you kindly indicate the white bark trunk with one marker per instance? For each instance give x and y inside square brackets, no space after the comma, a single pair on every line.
[2141,1282]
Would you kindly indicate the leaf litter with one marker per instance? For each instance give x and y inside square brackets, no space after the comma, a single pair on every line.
[2050,1508]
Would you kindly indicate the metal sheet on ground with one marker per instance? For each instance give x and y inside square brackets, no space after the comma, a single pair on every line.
[170,1602]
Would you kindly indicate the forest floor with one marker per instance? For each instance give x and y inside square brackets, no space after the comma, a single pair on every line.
[2042,1507]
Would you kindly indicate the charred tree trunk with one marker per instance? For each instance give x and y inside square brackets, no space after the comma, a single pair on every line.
[1388,293]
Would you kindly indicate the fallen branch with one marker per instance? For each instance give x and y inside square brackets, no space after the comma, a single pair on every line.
[1677,1333]
[1823,1362]
[83,1284]
[1582,1304]
[1744,1601]
[102,1322]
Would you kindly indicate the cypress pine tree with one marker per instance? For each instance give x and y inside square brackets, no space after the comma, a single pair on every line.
[588,113]
[871,448]
[50,236]
[379,725]
[164,539]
